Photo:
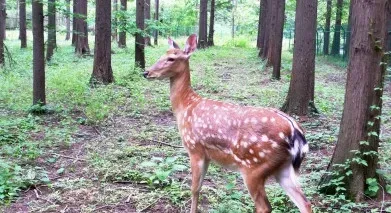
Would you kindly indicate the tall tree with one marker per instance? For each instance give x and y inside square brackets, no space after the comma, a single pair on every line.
[277,35]
[326,44]
[348,32]
[122,32]
[2,22]
[115,20]
[264,39]
[74,18]
[360,124]
[39,96]
[52,40]
[81,43]
[301,88]
[102,72]
[147,14]
[337,29]
[140,41]
[22,24]
[203,25]
[156,32]
[211,23]
[68,20]
[3,27]
[261,23]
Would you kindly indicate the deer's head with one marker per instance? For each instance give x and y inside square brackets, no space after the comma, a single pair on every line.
[174,62]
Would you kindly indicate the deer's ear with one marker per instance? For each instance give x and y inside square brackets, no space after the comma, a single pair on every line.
[172,44]
[191,45]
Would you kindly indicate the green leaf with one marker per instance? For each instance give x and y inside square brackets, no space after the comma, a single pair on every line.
[162,175]
[178,167]
[148,164]
[60,171]
[170,160]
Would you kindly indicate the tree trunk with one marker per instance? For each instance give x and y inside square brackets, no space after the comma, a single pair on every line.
[360,125]
[261,24]
[38,54]
[2,22]
[267,27]
[147,14]
[211,23]
[68,20]
[22,24]
[303,68]
[114,36]
[74,21]
[326,44]
[232,18]
[156,32]
[335,48]
[278,33]
[51,42]
[139,44]
[348,32]
[203,24]
[82,47]
[102,72]
[122,33]
[3,27]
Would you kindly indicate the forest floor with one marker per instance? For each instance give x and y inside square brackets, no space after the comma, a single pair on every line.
[116,148]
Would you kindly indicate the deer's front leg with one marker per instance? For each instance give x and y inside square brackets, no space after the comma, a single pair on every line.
[199,165]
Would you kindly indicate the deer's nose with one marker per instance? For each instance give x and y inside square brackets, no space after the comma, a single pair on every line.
[145,74]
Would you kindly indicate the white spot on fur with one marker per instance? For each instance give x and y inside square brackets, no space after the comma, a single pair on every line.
[254,120]
[244,144]
[281,134]
[272,119]
[246,121]
[264,138]
[255,159]
[264,119]
[253,138]
[251,151]
[261,154]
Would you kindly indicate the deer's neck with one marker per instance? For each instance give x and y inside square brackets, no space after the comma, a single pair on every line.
[181,93]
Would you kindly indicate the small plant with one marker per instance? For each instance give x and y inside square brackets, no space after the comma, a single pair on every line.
[162,169]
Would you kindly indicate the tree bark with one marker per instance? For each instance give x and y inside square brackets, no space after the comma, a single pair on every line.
[39,96]
[326,44]
[303,68]
[156,32]
[348,32]
[114,36]
[265,41]
[211,23]
[3,27]
[278,33]
[2,22]
[139,44]
[122,33]
[74,22]
[51,42]
[22,24]
[335,48]
[147,14]
[362,109]
[81,44]
[261,24]
[203,24]
[68,20]
[102,72]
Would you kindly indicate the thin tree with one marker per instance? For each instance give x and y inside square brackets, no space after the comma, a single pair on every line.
[68,20]
[301,88]
[360,125]
[22,24]
[122,32]
[81,43]
[147,14]
[261,23]
[211,23]
[52,40]
[233,12]
[114,36]
[140,41]
[337,29]
[264,39]
[203,24]
[39,97]
[348,32]
[277,35]
[3,27]
[74,19]
[2,22]
[326,44]
[156,32]
[102,72]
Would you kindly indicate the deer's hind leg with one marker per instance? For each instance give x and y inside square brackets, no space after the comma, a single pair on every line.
[255,182]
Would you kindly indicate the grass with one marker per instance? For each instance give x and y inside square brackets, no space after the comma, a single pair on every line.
[104,149]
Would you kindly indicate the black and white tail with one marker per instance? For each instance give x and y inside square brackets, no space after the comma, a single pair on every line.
[299,148]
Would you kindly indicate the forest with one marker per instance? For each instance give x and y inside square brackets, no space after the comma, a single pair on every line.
[251,91]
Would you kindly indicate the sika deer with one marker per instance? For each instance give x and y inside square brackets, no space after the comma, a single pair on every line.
[259,142]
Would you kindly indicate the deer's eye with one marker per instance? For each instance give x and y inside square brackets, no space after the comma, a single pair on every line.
[170,59]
